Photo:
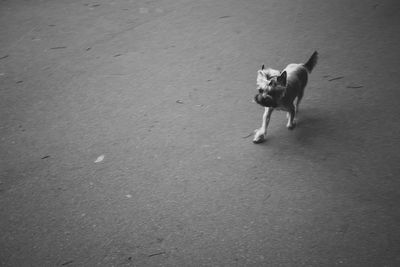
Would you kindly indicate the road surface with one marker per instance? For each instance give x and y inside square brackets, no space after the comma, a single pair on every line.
[125,134]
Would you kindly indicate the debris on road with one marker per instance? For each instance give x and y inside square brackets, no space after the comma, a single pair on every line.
[354,86]
[336,78]
[99,159]
[247,136]
[266,197]
[3,57]
[156,254]
[179,101]
[66,263]
[19,81]
[92,5]
[45,157]
[58,47]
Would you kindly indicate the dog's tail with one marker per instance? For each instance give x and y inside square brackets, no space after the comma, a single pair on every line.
[310,64]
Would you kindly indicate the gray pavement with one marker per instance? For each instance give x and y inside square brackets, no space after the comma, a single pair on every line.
[159,93]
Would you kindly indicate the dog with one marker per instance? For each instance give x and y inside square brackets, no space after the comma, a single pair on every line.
[278,90]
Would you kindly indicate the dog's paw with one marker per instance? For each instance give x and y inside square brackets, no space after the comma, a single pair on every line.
[259,140]
[291,126]
[259,137]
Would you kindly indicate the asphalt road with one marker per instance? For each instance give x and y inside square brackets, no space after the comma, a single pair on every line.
[125,134]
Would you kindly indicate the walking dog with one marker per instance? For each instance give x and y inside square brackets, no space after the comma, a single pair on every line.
[278,90]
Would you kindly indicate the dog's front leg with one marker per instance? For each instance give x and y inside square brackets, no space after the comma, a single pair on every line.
[291,117]
[261,133]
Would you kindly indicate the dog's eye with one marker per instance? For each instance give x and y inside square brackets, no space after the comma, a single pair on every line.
[260,90]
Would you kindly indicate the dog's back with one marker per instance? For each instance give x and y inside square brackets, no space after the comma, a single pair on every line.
[297,75]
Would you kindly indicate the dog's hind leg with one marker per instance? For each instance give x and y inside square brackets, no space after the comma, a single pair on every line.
[298,100]
[299,97]
[261,133]
[291,117]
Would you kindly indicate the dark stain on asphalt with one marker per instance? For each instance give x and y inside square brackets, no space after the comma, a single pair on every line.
[3,57]
[45,157]
[224,17]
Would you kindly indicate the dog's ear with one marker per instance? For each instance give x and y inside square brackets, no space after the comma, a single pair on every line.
[261,78]
[261,74]
[282,78]
[262,67]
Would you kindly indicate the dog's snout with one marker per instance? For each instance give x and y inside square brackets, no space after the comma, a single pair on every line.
[266,101]
[258,98]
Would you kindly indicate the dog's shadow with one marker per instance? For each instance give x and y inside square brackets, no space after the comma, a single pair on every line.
[311,124]
[313,127]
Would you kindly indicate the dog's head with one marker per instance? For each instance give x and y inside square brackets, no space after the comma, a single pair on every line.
[270,85]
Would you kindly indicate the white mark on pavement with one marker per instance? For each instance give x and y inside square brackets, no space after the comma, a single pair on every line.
[99,159]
